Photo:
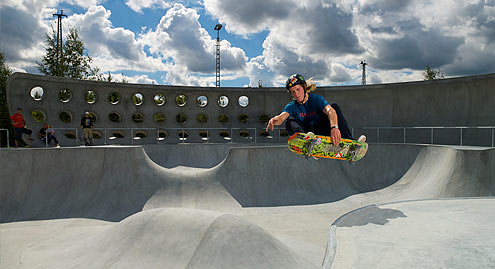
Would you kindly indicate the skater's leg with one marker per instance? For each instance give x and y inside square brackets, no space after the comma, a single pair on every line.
[295,126]
[343,127]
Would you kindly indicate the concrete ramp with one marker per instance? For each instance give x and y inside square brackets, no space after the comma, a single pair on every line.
[108,183]
[112,183]
[259,207]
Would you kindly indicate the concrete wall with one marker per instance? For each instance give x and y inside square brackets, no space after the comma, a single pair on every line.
[465,101]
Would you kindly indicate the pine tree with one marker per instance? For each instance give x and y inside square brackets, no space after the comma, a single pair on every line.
[48,65]
[75,63]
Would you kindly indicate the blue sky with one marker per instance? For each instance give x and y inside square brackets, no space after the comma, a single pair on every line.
[173,42]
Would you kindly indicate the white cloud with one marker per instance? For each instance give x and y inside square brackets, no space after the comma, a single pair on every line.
[138,79]
[180,39]
[112,48]
[139,5]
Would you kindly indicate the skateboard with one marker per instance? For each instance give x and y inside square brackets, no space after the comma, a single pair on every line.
[320,146]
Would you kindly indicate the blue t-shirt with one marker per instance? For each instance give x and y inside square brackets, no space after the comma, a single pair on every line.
[310,112]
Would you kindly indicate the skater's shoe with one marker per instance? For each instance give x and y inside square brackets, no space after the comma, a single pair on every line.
[362,139]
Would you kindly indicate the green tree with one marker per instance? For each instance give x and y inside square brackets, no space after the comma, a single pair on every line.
[5,123]
[49,65]
[75,62]
[430,74]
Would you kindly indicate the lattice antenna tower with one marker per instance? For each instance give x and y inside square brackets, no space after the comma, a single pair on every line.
[59,46]
[363,77]
[217,28]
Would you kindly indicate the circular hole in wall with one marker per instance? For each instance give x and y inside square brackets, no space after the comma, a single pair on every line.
[264,118]
[181,118]
[97,134]
[117,134]
[243,118]
[114,117]
[243,101]
[223,118]
[38,115]
[70,134]
[160,99]
[159,117]
[183,135]
[138,117]
[202,118]
[137,99]
[65,95]
[65,116]
[140,135]
[223,101]
[90,97]
[162,134]
[202,101]
[181,100]
[114,98]
[93,116]
[37,93]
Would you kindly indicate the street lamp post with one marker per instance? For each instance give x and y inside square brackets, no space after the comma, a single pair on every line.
[217,28]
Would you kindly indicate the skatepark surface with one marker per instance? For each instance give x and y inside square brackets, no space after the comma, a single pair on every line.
[257,206]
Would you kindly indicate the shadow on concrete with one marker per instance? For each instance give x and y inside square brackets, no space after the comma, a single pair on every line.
[370,215]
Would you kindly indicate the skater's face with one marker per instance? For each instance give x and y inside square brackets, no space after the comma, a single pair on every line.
[298,93]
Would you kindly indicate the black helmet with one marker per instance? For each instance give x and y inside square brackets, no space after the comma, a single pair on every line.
[295,79]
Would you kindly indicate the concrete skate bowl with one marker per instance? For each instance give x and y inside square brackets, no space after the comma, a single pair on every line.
[145,205]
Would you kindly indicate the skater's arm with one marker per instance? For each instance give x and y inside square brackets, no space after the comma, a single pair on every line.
[277,120]
[332,117]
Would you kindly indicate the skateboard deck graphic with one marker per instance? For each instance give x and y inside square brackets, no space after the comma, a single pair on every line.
[322,147]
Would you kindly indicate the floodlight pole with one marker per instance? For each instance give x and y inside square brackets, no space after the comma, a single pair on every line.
[363,77]
[217,28]
[59,46]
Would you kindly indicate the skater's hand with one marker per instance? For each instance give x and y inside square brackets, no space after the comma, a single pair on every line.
[336,136]
[270,124]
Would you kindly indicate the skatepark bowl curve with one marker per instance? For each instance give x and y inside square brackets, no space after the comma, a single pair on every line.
[235,206]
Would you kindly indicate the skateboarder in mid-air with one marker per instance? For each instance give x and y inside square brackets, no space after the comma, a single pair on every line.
[311,113]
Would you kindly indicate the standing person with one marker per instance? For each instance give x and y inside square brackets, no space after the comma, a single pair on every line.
[19,125]
[87,125]
[310,112]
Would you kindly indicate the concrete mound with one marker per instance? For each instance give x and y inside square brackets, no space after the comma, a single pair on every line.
[171,238]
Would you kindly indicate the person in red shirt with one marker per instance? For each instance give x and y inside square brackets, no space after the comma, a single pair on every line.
[20,127]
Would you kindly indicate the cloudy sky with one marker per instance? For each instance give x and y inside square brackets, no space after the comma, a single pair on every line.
[173,42]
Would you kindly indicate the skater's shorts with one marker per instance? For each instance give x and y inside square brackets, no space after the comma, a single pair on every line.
[19,131]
